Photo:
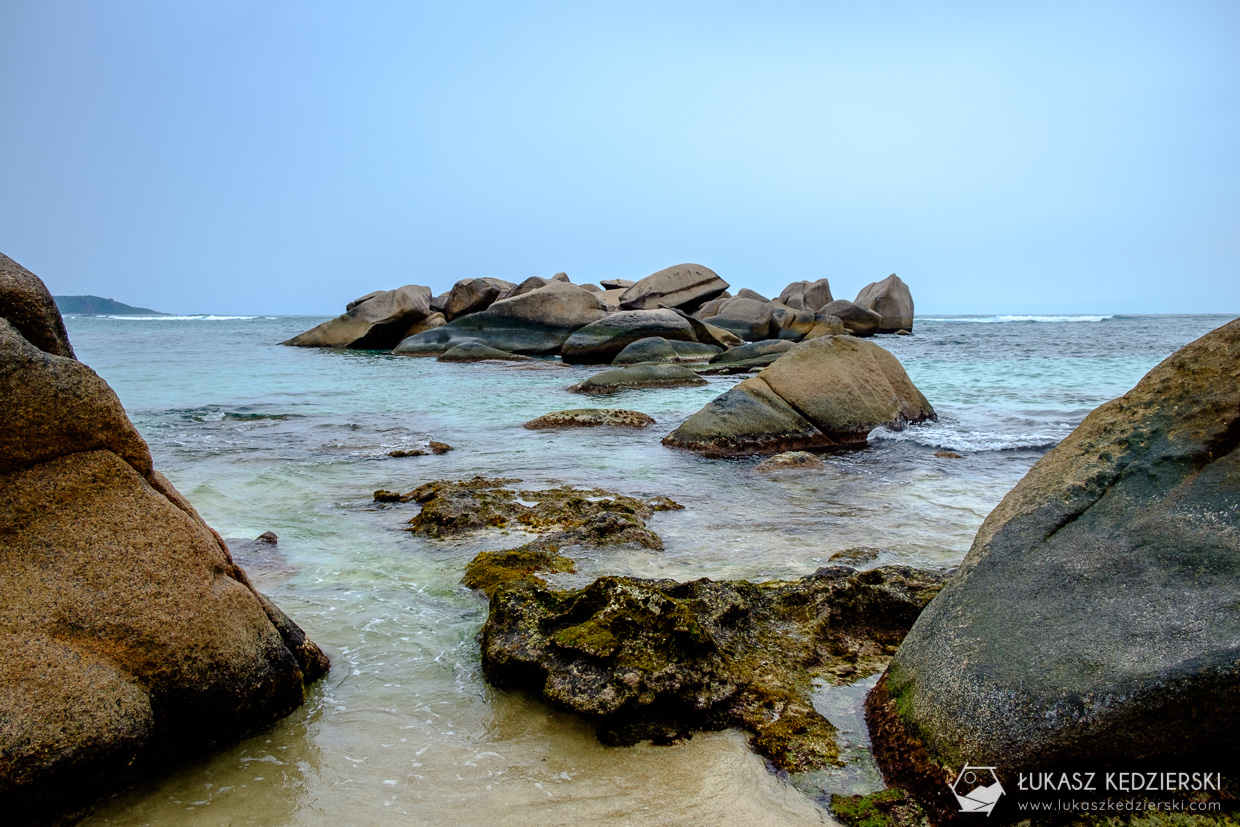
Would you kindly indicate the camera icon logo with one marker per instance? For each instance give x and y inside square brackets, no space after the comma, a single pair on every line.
[977,789]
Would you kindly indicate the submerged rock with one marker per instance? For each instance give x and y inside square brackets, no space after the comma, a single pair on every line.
[826,392]
[131,637]
[376,321]
[1094,618]
[684,286]
[892,301]
[639,376]
[886,808]
[792,461]
[656,659]
[451,508]
[591,418]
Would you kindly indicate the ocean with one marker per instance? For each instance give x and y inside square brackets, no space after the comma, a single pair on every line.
[404,730]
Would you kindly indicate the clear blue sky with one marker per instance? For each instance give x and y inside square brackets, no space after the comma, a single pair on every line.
[286,157]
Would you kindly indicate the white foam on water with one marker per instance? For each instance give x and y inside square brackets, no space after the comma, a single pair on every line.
[955,438]
[1001,319]
[197,318]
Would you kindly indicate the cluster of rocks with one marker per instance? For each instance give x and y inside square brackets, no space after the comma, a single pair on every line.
[657,659]
[131,637]
[688,307]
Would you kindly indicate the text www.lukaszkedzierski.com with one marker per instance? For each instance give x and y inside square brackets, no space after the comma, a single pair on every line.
[1120,806]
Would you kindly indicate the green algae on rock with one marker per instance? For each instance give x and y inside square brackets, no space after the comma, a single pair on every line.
[891,807]
[657,659]
[590,418]
[492,569]
[451,508]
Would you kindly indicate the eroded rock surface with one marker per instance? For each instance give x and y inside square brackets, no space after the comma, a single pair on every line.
[591,418]
[656,659]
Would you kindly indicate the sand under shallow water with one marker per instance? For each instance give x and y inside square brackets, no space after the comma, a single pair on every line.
[404,729]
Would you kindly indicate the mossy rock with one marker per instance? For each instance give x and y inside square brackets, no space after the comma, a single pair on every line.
[492,569]
[657,659]
[886,808]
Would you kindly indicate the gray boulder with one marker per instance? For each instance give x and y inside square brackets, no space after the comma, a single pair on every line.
[1094,618]
[857,320]
[616,284]
[472,295]
[535,323]
[787,323]
[601,341]
[375,321]
[749,319]
[657,349]
[746,293]
[752,350]
[826,325]
[807,295]
[639,376]
[478,352]
[685,286]
[890,299]
[827,392]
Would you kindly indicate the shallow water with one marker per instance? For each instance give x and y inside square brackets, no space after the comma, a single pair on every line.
[404,730]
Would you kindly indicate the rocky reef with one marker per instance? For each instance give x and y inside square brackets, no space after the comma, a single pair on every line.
[658,660]
[131,637]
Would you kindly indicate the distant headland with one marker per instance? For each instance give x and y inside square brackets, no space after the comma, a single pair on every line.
[95,306]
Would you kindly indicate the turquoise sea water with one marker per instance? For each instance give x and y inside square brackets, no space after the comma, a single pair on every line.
[404,730]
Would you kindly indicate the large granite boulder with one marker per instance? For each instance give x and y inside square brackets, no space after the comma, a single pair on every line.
[599,342]
[827,392]
[890,299]
[807,295]
[658,349]
[749,319]
[129,635]
[472,295]
[1093,623]
[788,323]
[858,321]
[376,321]
[536,323]
[684,286]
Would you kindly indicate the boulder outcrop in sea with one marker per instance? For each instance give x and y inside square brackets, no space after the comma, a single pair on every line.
[891,300]
[376,321]
[684,286]
[1093,623]
[827,392]
[131,638]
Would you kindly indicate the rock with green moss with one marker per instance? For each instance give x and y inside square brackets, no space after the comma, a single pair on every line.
[590,418]
[492,569]
[575,515]
[887,808]
[657,659]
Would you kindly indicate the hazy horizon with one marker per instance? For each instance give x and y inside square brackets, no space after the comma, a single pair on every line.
[284,159]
